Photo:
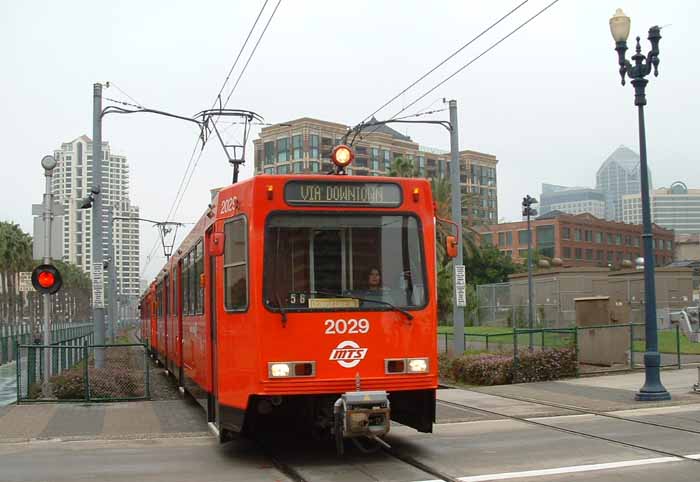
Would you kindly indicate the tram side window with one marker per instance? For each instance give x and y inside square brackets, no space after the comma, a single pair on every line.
[198,271]
[235,265]
[185,287]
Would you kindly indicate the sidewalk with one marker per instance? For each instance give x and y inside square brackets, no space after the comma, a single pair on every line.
[602,394]
[77,421]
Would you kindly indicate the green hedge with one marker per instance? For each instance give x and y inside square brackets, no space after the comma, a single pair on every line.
[501,369]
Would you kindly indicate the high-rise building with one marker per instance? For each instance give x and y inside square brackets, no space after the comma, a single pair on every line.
[304,146]
[572,200]
[617,176]
[675,207]
[72,180]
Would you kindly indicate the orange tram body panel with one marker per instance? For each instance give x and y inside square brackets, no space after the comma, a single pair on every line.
[266,316]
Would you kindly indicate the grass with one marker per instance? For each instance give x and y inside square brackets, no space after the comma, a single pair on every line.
[667,344]
[498,336]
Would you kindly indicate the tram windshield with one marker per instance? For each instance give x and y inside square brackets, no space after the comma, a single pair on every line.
[343,261]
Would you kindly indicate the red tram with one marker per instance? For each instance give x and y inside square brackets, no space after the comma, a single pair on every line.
[265,315]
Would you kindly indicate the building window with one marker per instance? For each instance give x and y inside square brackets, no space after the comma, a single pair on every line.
[269,153]
[618,239]
[282,150]
[522,237]
[505,238]
[598,237]
[565,233]
[374,158]
[313,146]
[579,253]
[588,235]
[298,166]
[314,166]
[283,169]
[487,239]
[589,254]
[566,252]
[235,265]
[611,238]
[269,170]
[545,240]
[297,147]
[577,235]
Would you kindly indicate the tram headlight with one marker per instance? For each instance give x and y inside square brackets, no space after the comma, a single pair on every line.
[279,370]
[417,365]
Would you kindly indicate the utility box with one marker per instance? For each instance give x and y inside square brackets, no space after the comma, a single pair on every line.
[603,343]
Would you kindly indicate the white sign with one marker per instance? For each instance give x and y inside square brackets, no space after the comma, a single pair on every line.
[25,282]
[98,296]
[460,285]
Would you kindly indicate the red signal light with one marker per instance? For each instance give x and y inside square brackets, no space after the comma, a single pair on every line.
[46,279]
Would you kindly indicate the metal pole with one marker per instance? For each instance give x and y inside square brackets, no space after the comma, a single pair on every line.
[529,278]
[457,311]
[653,389]
[98,311]
[112,272]
[46,298]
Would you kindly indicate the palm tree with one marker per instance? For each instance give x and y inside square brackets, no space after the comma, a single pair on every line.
[15,256]
[403,168]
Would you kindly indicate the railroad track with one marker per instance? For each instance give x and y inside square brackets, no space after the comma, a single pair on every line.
[580,410]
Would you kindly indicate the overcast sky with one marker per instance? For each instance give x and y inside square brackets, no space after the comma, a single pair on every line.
[547,101]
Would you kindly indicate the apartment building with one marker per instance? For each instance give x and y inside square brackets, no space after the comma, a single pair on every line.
[72,180]
[303,146]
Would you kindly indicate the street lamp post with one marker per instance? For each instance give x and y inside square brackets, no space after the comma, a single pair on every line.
[653,389]
[529,211]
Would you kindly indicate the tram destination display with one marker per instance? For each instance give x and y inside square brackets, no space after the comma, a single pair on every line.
[324,193]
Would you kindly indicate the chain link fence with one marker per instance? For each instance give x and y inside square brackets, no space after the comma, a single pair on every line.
[81,371]
[598,349]
[11,335]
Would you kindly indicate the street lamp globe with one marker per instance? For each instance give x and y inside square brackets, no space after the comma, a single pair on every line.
[48,163]
[620,26]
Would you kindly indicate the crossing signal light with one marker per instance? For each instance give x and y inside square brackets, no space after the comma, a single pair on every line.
[46,279]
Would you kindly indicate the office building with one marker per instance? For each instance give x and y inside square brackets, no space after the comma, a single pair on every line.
[578,239]
[675,207]
[572,200]
[617,176]
[72,181]
[303,146]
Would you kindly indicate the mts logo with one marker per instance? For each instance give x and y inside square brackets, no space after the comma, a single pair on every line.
[348,354]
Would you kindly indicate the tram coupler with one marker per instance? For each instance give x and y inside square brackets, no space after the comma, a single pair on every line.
[361,414]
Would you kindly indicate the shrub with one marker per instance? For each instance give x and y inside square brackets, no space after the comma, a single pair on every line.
[499,369]
[68,386]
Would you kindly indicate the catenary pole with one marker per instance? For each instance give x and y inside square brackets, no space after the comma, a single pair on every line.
[98,311]
[457,311]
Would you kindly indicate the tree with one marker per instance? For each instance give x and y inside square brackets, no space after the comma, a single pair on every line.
[15,256]
[403,168]
[486,264]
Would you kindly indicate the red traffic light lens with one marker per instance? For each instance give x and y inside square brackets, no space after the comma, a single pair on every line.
[46,279]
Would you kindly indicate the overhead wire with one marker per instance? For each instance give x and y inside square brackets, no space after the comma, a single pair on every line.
[494,45]
[449,57]
[192,164]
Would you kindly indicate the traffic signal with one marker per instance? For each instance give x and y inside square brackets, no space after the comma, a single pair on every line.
[46,279]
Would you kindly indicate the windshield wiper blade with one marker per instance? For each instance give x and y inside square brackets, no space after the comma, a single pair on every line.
[283,312]
[368,300]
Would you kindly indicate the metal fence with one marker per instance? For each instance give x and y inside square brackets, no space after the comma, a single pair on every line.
[628,349]
[73,374]
[11,335]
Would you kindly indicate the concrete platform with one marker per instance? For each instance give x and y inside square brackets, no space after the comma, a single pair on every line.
[76,421]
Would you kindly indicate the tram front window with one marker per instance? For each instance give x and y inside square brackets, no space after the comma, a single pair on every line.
[320,261]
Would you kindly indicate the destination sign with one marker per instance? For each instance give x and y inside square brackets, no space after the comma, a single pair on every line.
[316,193]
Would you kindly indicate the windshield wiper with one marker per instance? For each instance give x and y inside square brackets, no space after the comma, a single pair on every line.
[283,312]
[368,300]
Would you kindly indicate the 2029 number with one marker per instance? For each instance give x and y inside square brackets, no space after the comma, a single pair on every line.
[351,326]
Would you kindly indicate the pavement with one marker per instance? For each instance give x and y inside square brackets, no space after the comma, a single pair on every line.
[125,420]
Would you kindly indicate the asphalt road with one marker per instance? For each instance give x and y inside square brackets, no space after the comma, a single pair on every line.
[472,451]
